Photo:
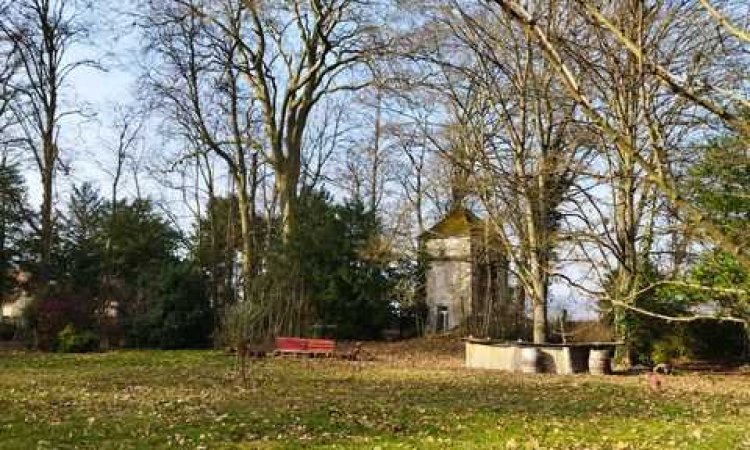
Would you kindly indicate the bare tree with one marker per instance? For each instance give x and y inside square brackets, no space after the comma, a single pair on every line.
[653,79]
[197,82]
[10,65]
[367,160]
[412,142]
[293,55]
[125,131]
[322,142]
[45,33]
[656,169]
[514,138]
[126,127]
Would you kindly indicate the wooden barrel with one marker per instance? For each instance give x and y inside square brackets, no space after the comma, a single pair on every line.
[529,360]
[600,362]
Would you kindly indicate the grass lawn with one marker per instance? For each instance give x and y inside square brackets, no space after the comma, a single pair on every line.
[190,399]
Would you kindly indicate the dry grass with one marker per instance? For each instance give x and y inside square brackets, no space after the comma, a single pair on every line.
[416,395]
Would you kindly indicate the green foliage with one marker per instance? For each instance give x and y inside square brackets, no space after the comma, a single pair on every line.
[638,331]
[218,232]
[712,340]
[705,340]
[654,340]
[7,331]
[120,241]
[720,185]
[140,239]
[217,239]
[112,254]
[730,282]
[668,349]
[344,266]
[717,284]
[56,306]
[408,292]
[331,277]
[139,247]
[179,315]
[718,269]
[13,215]
[80,252]
[70,340]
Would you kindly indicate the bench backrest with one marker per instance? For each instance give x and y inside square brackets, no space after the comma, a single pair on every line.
[321,344]
[291,343]
[302,345]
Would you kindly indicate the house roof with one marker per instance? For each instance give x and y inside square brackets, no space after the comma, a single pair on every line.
[19,282]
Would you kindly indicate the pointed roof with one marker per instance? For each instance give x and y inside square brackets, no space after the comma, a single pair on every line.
[458,222]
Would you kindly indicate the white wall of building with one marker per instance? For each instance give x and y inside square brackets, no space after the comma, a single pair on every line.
[14,310]
[449,279]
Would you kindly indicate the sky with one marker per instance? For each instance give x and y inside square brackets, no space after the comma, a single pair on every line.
[87,140]
[94,91]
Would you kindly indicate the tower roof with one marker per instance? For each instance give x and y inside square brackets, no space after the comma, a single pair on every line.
[458,222]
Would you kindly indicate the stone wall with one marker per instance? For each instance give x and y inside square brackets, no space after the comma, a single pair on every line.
[560,359]
[449,279]
[482,356]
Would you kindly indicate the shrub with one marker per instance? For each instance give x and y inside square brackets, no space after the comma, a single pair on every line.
[55,308]
[70,340]
[670,348]
[179,315]
[7,331]
[716,341]
[590,331]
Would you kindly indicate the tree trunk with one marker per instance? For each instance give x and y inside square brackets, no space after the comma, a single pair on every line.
[375,163]
[46,213]
[537,273]
[286,185]
[540,322]
[229,239]
[244,205]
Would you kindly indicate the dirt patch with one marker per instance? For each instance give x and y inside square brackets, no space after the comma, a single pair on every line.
[11,346]
[714,367]
[445,351]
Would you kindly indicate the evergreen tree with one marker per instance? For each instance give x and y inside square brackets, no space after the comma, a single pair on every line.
[179,315]
[13,217]
[344,266]
[218,238]
[79,253]
[720,184]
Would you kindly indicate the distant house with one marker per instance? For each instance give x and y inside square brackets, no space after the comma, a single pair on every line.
[467,281]
[13,307]
[15,302]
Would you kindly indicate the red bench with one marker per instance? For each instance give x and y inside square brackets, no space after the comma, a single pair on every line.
[323,347]
[301,346]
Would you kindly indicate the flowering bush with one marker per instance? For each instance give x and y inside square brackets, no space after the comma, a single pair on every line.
[53,312]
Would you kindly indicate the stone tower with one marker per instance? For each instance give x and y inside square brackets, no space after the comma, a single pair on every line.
[467,278]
